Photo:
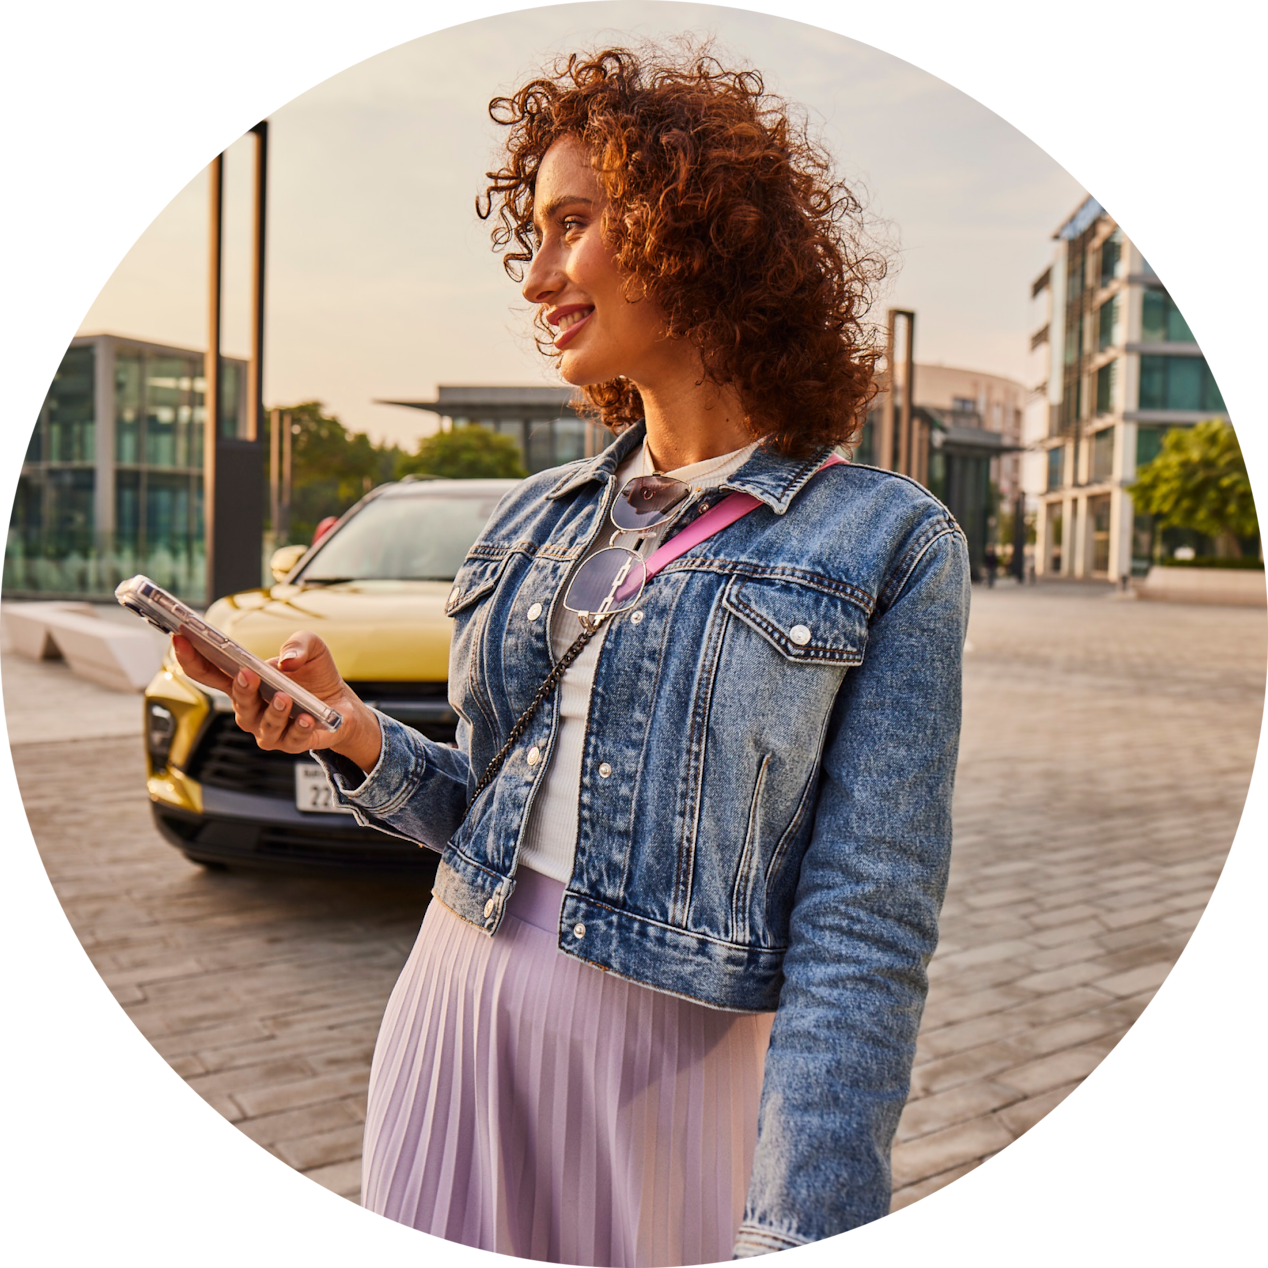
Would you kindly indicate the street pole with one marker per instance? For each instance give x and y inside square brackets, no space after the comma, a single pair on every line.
[896,445]
[211,362]
[233,464]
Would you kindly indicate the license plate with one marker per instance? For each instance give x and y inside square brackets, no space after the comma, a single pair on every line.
[312,793]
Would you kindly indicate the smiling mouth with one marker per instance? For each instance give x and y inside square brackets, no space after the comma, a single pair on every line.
[570,323]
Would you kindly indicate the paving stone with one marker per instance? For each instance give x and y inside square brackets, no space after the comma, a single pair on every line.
[969,1100]
[295,1124]
[1061,1067]
[953,1146]
[321,1150]
[343,1178]
[310,1091]
[1021,1116]
[914,1192]
[1146,977]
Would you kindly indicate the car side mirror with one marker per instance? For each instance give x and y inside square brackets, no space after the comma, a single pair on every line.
[284,559]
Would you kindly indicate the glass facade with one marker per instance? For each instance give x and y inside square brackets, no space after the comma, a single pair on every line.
[52,532]
[1111,257]
[101,499]
[159,419]
[1160,320]
[1148,444]
[542,443]
[1179,383]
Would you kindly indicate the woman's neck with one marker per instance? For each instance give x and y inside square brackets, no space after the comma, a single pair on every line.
[691,421]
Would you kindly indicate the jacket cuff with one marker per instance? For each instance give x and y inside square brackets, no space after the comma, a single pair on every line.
[753,1239]
[390,782]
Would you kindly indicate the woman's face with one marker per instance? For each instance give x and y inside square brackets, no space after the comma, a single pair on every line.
[600,334]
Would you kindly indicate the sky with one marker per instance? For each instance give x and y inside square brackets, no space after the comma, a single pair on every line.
[381,281]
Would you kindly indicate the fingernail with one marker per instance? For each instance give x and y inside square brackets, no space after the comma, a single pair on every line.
[306,723]
[278,703]
[287,656]
[242,678]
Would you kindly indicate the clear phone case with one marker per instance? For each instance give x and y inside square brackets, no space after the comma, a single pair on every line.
[167,613]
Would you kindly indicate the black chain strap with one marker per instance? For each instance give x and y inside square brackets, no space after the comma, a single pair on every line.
[521,724]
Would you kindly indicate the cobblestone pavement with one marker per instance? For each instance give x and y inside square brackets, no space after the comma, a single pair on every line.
[1106,753]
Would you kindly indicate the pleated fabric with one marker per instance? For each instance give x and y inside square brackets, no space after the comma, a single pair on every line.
[526,1103]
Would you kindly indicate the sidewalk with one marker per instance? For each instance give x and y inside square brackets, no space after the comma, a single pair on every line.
[1106,752]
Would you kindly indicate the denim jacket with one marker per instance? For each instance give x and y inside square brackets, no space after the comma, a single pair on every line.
[765,805]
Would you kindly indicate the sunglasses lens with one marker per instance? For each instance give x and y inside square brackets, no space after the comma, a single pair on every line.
[609,581]
[647,501]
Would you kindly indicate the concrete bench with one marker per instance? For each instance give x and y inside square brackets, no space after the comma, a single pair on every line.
[1235,587]
[109,652]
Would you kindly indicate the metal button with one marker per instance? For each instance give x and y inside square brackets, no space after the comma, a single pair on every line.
[578,930]
[488,908]
[535,611]
[636,618]
[454,595]
[534,755]
[604,769]
[799,635]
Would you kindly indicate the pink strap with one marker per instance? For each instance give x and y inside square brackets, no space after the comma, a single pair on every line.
[730,509]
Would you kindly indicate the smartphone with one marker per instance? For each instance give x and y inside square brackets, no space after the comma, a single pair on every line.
[167,613]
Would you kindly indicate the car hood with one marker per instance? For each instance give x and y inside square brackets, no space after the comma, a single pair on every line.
[378,631]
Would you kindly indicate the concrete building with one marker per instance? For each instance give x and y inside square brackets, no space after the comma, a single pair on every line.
[966,440]
[540,420]
[1115,366]
[112,481]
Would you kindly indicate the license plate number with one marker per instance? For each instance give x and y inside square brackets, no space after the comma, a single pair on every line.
[312,793]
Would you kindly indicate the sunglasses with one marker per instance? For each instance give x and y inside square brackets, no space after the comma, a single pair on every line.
[612,579]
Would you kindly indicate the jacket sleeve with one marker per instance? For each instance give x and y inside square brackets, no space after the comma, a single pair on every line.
[865,918]
[417,789]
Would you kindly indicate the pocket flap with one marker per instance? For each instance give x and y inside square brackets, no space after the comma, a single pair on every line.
[802,622]
[475,579]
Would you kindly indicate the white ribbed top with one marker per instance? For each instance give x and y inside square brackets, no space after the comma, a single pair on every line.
[551,838]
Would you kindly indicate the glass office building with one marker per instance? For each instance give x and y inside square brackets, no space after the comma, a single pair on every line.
[540,420]
[1116,367]
[112,481]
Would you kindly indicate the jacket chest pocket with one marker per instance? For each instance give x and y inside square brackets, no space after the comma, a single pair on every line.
[469,604]
[803,623]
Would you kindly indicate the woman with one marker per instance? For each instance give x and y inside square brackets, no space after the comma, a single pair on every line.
[695,832]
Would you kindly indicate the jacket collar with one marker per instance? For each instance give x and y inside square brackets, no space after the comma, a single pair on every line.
[768,477]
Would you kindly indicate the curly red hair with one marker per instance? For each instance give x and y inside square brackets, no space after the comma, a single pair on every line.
[726,214]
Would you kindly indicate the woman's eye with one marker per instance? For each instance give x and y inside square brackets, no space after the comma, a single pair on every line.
[573,224]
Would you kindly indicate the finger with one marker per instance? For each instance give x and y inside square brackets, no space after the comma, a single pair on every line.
[248,704]
[274,720]
[194,665]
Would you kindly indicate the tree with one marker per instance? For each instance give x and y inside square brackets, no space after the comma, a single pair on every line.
[465,453]
[1198,481]
[331,467]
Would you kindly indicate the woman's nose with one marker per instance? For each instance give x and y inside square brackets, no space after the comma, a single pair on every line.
[542,279]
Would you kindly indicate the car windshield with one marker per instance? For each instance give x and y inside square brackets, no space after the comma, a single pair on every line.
[412,537]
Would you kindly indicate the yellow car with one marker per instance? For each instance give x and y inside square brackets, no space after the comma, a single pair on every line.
[374,588]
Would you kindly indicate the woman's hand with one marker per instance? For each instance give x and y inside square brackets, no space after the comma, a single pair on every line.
[306,659]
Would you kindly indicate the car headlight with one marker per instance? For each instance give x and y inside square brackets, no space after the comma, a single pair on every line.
[160,727]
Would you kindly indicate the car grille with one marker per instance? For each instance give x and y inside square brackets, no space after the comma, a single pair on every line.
[228,757]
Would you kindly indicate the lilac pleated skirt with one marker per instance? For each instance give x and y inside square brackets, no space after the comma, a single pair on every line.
[523,1102]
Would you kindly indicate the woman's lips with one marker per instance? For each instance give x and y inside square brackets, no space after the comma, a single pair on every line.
[567,335]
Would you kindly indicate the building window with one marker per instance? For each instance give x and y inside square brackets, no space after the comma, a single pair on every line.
[1111,257]
[1180,383]
[1148,444]
[1056,467]
[72,409]
[1056,531]
[1107,325]
[1106,377]
[964,405]
[1160,320]
[1099,516]
[1103,455]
